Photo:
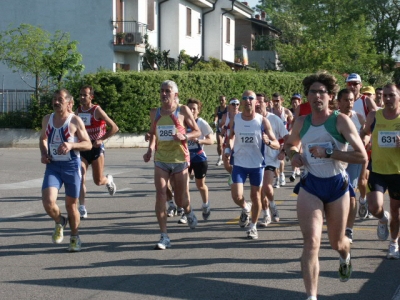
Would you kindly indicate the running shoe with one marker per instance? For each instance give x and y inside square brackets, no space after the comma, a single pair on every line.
[192,220]
[74,244]
[111,187]
[244,219]
[219,162]
[298,171]
[275,213]
[252,233]
[362,208]
[58,233]
[82,211]
[164,243]
[282,180]
[349,234]
[292,177]
[265,221]
[171,210]
[180,211]
[345,270]
[206,212]
[276,184]
[183,219]
[383,229]
[393,252]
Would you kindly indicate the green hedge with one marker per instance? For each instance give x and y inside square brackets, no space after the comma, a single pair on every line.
[127,97]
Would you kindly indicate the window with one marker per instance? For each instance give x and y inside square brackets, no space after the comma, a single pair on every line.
[150,15]
[199,27]
[188,22]
[228,30]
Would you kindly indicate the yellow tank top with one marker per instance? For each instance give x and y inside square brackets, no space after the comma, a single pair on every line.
[167,149]
[385,156]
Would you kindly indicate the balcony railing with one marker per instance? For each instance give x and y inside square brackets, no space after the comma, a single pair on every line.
[129,32]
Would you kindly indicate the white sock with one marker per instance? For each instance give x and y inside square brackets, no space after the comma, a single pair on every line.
[345,260]
[362,200]
[265,212]
[253,225]
[206,204]
[247,207]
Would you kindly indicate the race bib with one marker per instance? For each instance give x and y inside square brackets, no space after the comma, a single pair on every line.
[387,139]
[192,145]
[58,157]
[86,118]
[247,138]
[311,159]
[166,132]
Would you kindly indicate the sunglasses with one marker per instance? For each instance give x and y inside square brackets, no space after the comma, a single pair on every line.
[352,83]
[235,104]
[247,98]
[167,91]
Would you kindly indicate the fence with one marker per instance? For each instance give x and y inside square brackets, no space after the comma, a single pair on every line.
[15,100]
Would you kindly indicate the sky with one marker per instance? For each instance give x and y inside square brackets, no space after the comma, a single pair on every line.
[251,3]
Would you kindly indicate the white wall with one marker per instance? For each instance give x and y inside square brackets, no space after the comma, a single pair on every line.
[88,22]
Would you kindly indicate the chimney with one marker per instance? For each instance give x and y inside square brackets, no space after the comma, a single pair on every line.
[258,17]
[263,14]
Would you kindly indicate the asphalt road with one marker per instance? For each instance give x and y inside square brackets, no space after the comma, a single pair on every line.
[214,261]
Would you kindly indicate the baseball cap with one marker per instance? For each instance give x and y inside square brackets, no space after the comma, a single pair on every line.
[298,96]
[368,90]
[353,77]
[234,101]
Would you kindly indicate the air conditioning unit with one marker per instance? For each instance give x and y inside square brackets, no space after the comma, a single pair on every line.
[130,38]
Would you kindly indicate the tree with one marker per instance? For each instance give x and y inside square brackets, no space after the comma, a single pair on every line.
[34,53]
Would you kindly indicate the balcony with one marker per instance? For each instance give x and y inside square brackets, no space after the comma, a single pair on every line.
[129,36]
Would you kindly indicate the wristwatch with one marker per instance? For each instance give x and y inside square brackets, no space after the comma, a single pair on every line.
[328,152]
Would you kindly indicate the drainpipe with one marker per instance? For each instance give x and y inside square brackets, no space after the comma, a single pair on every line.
[159,23]
[203,24]
[222,27]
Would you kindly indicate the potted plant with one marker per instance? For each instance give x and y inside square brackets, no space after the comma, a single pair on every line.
[120,38]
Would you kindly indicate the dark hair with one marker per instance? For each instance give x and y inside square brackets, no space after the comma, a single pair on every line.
[323,77]
[343,92]
[68,96]
[378,89]
[276,95]
[260,95]
[91,89]
[195,101]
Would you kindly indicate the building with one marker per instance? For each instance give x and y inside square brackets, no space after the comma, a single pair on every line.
[111,33]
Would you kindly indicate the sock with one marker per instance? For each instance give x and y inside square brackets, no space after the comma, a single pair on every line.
[247,208]
[347,260]
[362,200]
[206,204]
[384,219]
[63,220]
[312,298]
[220,157]
[265,212]
[272,204]
[164,234]
[171,202]
[350,229]
[253,225]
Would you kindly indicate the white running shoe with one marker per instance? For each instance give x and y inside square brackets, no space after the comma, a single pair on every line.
[383,230]
[219,162]
[266,220]
[275,213]
[292,177]
[252,233]
[276,184]
[171,210]
[282,179]
[393,252]
[164,243]
[111,187]
[74,244]
[82,211]
[183,219]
